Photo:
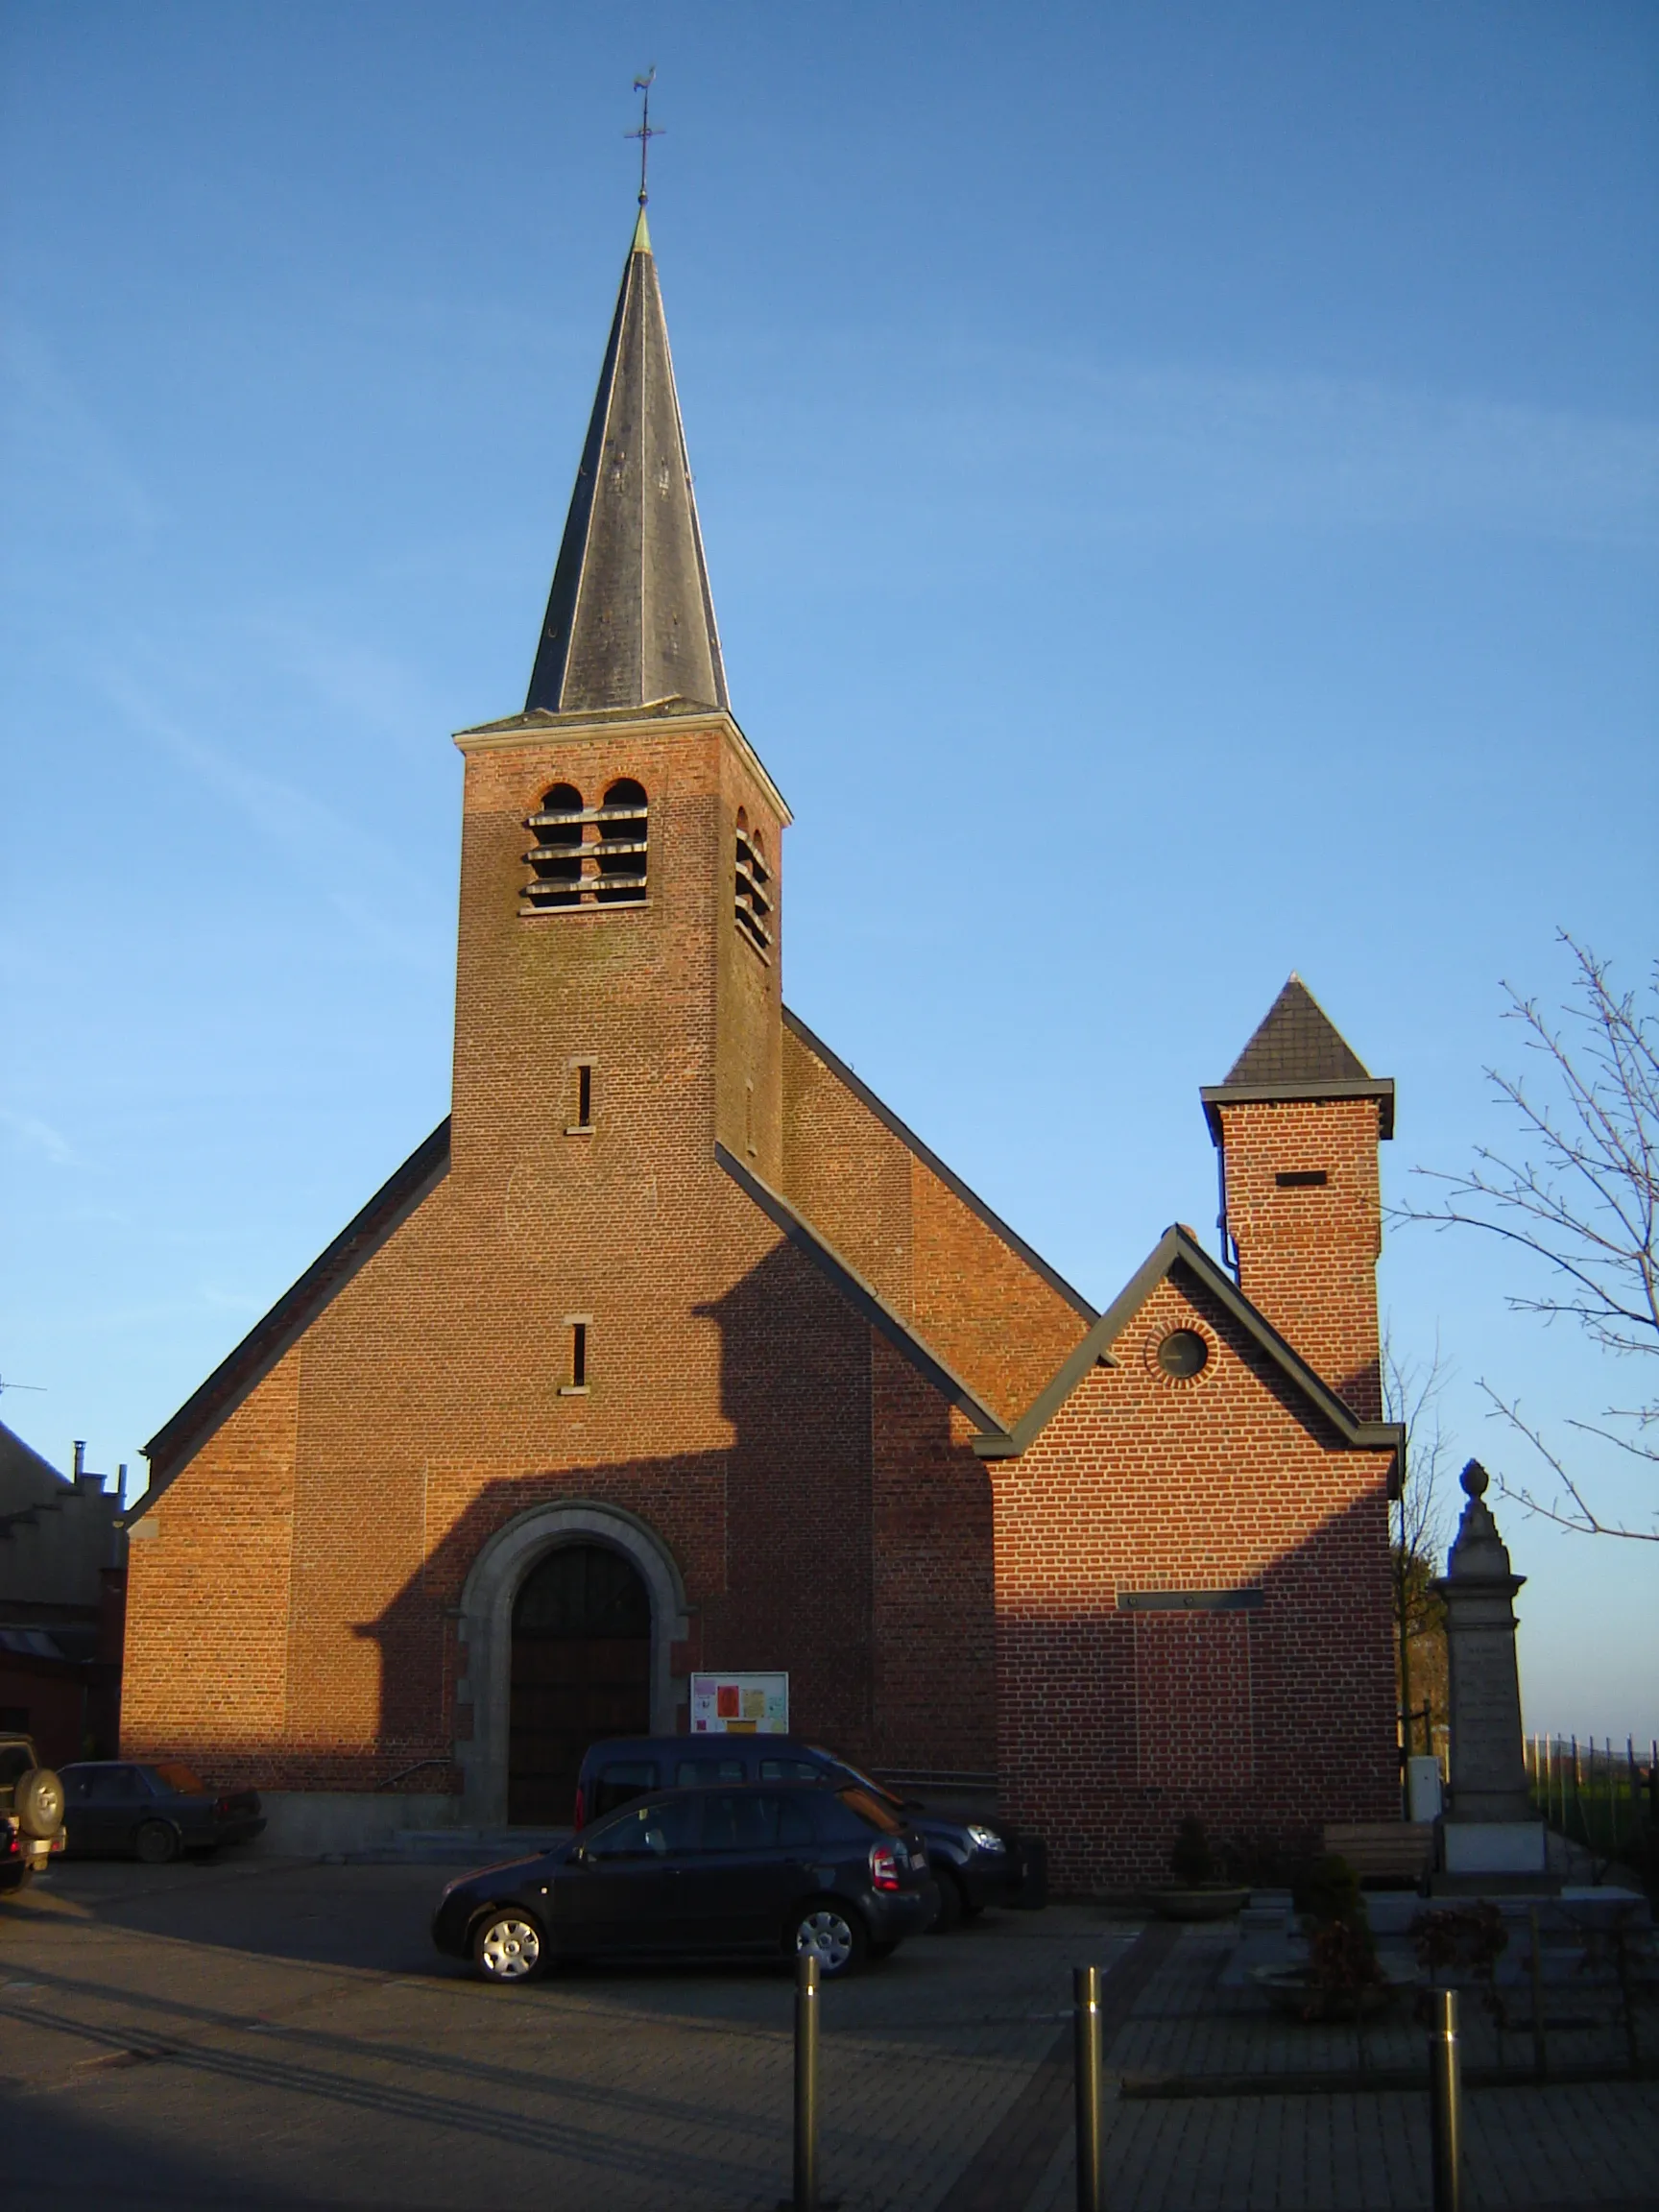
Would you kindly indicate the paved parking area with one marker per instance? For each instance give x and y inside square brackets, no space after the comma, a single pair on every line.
[273,2033]
[277,2034]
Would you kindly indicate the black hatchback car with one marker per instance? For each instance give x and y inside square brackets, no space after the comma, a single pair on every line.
[975,1862]
[153,1812]
[758,1871]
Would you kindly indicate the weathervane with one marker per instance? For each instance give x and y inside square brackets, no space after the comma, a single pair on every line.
[643,85]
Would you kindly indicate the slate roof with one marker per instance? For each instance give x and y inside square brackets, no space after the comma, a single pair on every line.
[1298,1052]
[630,619]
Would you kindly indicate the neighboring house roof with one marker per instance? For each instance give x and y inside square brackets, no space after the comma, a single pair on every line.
[931,1161]
[1178,1248]
[864,1300]
[1297,1052]
[26,1479]
[293,1313]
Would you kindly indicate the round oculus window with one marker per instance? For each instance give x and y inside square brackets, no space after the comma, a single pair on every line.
[1183,1354]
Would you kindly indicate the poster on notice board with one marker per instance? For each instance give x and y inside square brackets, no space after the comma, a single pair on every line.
[739,1704]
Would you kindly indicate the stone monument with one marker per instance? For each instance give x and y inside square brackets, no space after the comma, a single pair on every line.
[1490,1838]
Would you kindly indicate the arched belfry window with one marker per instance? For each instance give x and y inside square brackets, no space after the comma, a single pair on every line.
[623,823]
[754,884]
[556,858]
[587,855]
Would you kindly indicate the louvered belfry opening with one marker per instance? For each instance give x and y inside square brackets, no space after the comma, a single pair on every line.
[581,1670]
[588,856]
[754,904]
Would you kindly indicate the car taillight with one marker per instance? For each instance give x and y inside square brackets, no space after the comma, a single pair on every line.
[13,1843]
[580,1807]
[221,1806]
[883,1867]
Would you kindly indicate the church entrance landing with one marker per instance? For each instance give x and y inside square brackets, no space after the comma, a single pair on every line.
[581,1670]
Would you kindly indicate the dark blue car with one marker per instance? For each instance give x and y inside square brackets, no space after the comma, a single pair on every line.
[976,1862]
[758,1871]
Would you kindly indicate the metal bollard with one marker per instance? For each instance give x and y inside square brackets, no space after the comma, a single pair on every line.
[1446,2102]
[1088,2050]
[805,2198]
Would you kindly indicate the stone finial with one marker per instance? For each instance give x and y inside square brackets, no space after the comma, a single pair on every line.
[1478,1550]
[1475,1479]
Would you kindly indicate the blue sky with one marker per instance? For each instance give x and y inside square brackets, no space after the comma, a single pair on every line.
[1182,491]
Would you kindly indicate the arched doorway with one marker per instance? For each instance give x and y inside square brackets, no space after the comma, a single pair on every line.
[581,1670]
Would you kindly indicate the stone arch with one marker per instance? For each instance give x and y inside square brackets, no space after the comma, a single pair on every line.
[485,1628]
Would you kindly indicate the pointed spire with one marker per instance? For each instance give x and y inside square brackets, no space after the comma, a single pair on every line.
[630,619]
[1297,1041]
[1298,1052]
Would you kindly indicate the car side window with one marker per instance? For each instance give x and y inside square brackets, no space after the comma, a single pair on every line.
[794,1822]
[648,1832]
[620,1781]
[706,1774]
[126,1783]
[78,1788]
[754,1820]
[791,1771]
[14,1763]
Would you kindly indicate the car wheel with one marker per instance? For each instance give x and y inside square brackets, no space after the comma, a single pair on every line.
[156,1843]
[953,1907]
[508,1946]
[837,1934]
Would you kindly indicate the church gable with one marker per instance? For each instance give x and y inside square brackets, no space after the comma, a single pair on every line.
[202,1413]
[1178,1256]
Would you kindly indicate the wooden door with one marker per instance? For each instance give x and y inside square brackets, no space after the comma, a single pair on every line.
[581,1670]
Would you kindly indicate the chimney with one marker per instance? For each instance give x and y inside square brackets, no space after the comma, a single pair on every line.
[1297,1124]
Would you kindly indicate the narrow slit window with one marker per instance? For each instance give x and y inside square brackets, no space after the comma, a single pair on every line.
[1301,1178]
[578,1356]
[584,1096]
[749,1117]
[752,883]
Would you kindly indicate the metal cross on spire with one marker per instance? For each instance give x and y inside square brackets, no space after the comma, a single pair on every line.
[643,85]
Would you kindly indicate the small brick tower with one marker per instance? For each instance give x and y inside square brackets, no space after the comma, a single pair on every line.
[1297,1124]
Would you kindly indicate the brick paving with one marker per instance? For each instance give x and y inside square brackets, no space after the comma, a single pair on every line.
[282,2035]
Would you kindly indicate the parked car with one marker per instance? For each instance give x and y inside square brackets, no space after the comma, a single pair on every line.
[759,1870]
[153,1812]
[31,1812]
[975,1862]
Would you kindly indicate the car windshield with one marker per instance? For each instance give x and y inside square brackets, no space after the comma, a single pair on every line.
[173,1775]
[877,1810]
[843,1770]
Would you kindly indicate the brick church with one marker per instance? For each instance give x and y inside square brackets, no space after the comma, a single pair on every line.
[672,1348]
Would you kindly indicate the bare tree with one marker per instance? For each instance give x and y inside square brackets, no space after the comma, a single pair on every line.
[1581,1201]
[1411,1394]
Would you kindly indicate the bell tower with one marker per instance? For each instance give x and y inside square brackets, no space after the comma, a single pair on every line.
[618,992]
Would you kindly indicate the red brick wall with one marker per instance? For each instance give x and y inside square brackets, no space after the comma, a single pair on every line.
[1115,1724]
[935,1586]
[207,1593]
[983,1309]
[1308,1255]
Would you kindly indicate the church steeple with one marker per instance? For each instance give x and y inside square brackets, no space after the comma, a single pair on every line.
[630,619]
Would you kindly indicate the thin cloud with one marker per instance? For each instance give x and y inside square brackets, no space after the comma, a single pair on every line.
[30,1134]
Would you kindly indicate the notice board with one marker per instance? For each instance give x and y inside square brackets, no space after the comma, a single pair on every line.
[739,1704]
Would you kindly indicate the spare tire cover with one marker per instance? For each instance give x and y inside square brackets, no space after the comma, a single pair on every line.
[39,1802]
